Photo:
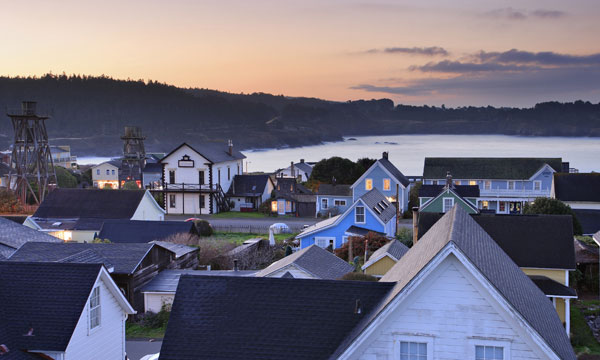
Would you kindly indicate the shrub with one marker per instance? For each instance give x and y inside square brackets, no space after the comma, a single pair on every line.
[374,242]
[357,276]
[203,227]
[8,202]
[64,178]
[156,320]
[131,185]
[265,207]
[107,186]
[405,235]
[100,241]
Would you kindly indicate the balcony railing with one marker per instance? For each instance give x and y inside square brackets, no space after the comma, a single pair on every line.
[185,187]
[515,192]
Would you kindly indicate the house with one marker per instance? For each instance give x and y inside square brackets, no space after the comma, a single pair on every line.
[454,294]
[300,171]
[371,212]
[384,258]
[61,156]
[541,245]
[78,214]
[161,290]
[441,198]
[106,175]
[13,235]
[333,199]
[40,322]
[131,266]
[248,192]
[194,177]
[386,178]
[312,262]
[136,231]
[581,191]
[292,198]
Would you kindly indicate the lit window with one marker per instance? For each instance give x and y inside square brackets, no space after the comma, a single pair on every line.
[274,206]
[456,182]
[489,352]
[448,204]
[359,217]
[485,204]
[387,184]
[368,184]
[95,308]
[472,182]
[537,185]
[413,350]
[487,185]
[511,185]
[324,204]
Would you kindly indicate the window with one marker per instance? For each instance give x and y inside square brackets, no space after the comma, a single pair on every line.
[95,308]
[113,171]
[537,185]
[107,172]
[324,242]
[171,176]
[274,206]
[201,177]
[456,182]
[502,206]
[472,182]
[511,185]
[484,204]
[448,204]
[413,350]
[368,184]
[97,171]
[434,182]
[219,174]
[489,352]
[344,239]
[202,202]
[228,173]
[359,216]
[387,185]
[238,169]
[339,202]
[324,204]
[487,185]
[172,200]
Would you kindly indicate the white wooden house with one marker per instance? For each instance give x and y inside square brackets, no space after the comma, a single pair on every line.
[106,175]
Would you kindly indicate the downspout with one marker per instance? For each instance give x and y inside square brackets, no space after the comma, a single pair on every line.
[210,184]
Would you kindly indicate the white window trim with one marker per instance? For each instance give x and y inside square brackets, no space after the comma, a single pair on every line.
[326,200]
[364,215]
[325,238]
[486,183]
[444,204]
[475,341]
[340,200]
[99,307]
[366,182]
[514,184]
[412,338]
[383,184]
[535,182]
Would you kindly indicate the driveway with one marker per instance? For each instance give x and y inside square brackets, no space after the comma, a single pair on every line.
[136,349]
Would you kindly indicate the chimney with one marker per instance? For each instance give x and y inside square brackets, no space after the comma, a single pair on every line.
[449,184]
[235,265]
[415,214]
[385,155]
[230,144]
[565,167]
[292,172]
[302,161]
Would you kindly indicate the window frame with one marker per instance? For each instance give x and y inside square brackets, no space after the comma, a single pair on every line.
[97,171]
[329,239]
[473,342]
[444,204]
[537,182]
[389,184]
[201,176]
[324,204]
[487,185]
[95,294]
[509,183]
[338,202]
[429,340]
[368,184]
[364,215]
[172,201]
[201,201]
[171,176]
[472,182]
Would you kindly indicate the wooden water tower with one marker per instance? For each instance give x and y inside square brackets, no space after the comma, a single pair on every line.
[134,154]
[32,170]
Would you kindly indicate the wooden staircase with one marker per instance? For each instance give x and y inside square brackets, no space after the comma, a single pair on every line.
[222,203]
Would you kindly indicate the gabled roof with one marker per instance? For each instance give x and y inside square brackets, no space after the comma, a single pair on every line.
[465,191]
[137,231]
[586,254]
[14,235]
[178,249]
[551,287]
[314,260]
[379,205]
[304,167]
[589,220]
[87,203]
[254,318]
[394,171]
[320,226]
[457,231]
[577,187]
[125,258]
[335,189]
[248,185]
[394,249]
[487,168]
[167,280]
[215,152]
[453,191]
[115,163]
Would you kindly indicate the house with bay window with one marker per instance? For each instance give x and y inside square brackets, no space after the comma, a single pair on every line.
[195,177]
[505,184]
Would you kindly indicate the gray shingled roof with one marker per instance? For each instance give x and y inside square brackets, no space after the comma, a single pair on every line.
[462,190]
[167,280]
[589,220]
[177,249]
[577,187]
[137,231]
[379,205]
[552,287]
[314,260]
[14,235]
[335,189]
[394,171]
[458,229]
[486,168]
[394,248]
[248,185]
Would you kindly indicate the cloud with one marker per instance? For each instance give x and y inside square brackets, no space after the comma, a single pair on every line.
[448,66]
[425,51]
[515,14]
[548,14]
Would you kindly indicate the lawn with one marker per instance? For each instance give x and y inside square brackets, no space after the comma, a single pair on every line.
[582,338]
[133,331]
[239,238]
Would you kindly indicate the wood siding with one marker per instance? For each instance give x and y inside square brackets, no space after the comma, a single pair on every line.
[380,267]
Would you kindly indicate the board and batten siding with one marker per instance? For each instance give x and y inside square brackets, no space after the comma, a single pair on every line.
[380,267]
[454,312]
[106,342]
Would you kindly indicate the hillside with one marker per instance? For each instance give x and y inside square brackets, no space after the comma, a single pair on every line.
[89,113]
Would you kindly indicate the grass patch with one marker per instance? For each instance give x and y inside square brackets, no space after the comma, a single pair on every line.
[238,215]
[239,238]
[139,331]
[582,339]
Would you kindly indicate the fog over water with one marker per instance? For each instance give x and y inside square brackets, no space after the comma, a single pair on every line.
[407,152]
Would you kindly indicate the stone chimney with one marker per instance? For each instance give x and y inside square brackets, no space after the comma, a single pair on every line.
[385,155]
[230,144]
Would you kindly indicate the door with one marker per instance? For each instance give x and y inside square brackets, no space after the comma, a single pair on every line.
[281,207]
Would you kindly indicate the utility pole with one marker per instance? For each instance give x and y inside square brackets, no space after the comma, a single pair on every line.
[397,209]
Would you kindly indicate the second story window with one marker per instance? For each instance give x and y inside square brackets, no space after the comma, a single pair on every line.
[201,177]
[228,173]
[457,182]
[219,177]
[359,216]
[472,182]
[511,185]
[368,184]
[413,350]
[95,308]
[489,352]
[487,185]
[387,184]
[448,204]
[97,171]
[537,185]
[171,176]
[107,172]
[113,172]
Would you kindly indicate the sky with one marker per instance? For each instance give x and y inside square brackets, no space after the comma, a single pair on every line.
[456,53]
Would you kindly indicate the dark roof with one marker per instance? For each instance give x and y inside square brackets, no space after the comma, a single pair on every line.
[167,280]
[394,248]
[538,241]
[361,230]
[465,191]
[135,231]
[214,152]
[552,287]
[585,254]
[14,235]
[335,189]
[248,185]
[458,229]
[69,224]
[33,296]
[379,205]
[87,203]
[314,260]
[243,318]
[394,171]
[125,258]
[304,167]
[589,220]
[577,187]
[153,167]
[487,168]
[287,186]
[177,249]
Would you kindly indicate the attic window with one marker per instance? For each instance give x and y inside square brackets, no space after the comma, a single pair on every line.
[95,308]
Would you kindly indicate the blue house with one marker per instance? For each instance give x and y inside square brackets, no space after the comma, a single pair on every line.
[333,199]
[505,184]
[384,176]
[370,212]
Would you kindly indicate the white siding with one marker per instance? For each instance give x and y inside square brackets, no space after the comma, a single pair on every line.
[295,271]
[452,310]
[103,176]
[105,342]
[148,209]
[154,301]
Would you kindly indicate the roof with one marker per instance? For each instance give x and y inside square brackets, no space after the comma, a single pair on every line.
[394,171]
[585,254]
[318,226]
[552,287]
[88,203]
[589,220]
[465,191]
[335,189]
[152,167]
[458,230]
[394,248]
[577,187]
[214,152]
[167,280]
[243,318]
[315,260]
[14,235]
[33,296]
[248,185]
[124,258]
[115,163]
[375,200]
[487,168]
[537,241]
[137,231]
[361,231]
[178,249]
